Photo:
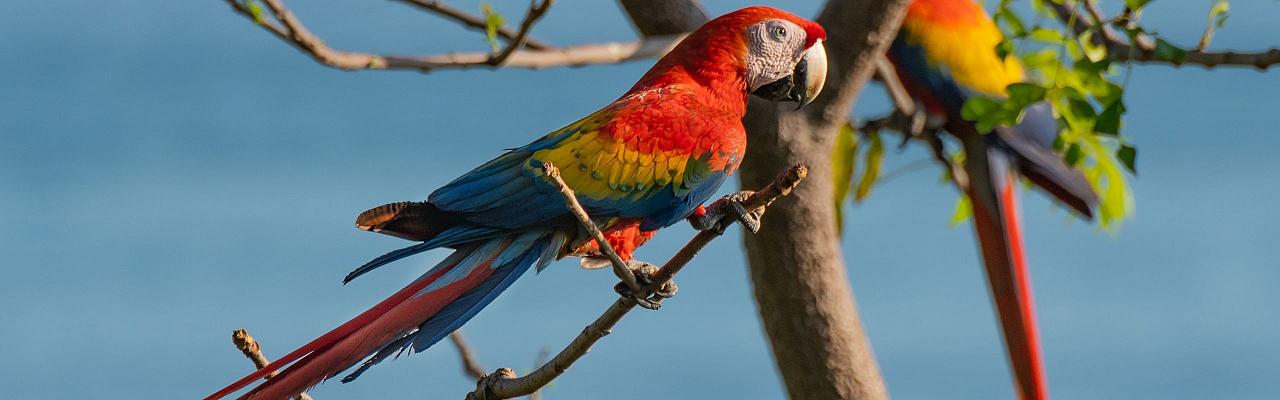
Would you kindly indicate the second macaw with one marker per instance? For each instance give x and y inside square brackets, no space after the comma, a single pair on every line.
[646,161]
[944,54]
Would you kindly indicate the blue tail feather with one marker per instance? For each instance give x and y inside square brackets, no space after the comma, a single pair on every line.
[525,251]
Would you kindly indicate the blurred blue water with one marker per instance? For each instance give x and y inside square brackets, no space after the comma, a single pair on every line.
[168,173]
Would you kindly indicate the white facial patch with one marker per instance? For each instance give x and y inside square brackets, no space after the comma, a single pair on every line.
[773,48]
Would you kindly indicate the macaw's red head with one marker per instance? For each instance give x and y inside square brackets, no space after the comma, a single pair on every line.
[763,51]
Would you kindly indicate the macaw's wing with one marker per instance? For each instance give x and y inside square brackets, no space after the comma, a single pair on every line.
[946,58]
[1031,144]
[613,178]
[949,56]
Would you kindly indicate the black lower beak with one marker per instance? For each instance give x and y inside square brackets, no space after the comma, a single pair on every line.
[789,88]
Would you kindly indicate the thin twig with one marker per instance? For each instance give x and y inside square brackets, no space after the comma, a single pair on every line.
[250,348]
[503,384]
[536,9]
[1144,50]
[470,366]
[619,267]
[898,93]
[295,33]
[472,21]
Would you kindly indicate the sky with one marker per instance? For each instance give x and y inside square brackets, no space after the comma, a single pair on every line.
[169,173]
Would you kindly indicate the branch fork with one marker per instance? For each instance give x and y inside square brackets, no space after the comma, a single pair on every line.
[1142,48]
[521,51]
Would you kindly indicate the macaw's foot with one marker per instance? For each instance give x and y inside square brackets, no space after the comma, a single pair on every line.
[644,272]
[716,217]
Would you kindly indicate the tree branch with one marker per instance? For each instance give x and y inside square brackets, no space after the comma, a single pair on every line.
[537,8]
[1144,51]
[469,364]
[620,268]
[250,348]
[282,24]
[472,21]
[503,383]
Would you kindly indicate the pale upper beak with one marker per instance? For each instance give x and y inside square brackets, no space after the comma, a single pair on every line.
[804,83]
[811,72]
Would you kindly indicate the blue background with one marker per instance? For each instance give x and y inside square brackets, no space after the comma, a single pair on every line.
[169,172]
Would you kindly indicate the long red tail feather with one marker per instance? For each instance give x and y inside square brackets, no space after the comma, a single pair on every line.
[1033,384]
[344,330]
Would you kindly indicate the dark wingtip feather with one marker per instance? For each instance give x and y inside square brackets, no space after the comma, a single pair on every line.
[385,259]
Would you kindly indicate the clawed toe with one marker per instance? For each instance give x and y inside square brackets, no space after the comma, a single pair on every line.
[644,276]
[728,206]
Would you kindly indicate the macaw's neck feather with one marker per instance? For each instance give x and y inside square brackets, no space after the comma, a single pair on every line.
[946,12]
[713,59]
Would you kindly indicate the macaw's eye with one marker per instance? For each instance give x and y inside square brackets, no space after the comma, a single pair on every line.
[779,32]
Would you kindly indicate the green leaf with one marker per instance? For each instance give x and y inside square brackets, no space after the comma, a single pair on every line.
[1006,16]
[1073,155]
[1128,155]
[1168,52]
[963,211]
[1004,48]
[1108,122]
[1082,115]
[1217,19]
[976,108]
[1136,5]
[1093,51]
[1041,60]
[255,9]
[1026,93]
[492,21]
[843,160]
[871,172]
[1046,35]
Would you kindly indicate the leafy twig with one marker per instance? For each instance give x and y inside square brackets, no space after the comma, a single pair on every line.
[536,9]
[1143,49]
[472,21]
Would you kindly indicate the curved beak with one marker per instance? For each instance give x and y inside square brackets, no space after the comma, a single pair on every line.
[804,83]
[811,73]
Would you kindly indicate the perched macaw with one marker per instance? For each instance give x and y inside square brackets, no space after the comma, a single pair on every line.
[646,161]
[944,54]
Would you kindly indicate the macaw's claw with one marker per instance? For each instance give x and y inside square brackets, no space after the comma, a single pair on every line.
[644,271]
[728,206]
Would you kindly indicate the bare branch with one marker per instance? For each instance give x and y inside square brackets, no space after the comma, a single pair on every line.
[250,348]
[472,21]
[503,383]
[570,200]
[469,364]
[1144,51]
[285,26]
[898,93]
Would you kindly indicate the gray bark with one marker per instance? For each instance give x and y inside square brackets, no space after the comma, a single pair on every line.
[797,271]
[664,17]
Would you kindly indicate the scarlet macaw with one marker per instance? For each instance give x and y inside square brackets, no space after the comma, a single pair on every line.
[646,161]
[944,54]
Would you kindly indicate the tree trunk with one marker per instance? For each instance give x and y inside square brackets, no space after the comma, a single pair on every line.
[797,271]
